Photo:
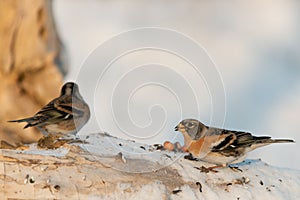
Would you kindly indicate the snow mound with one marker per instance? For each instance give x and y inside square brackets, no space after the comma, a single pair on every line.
[254,179]
[105,167]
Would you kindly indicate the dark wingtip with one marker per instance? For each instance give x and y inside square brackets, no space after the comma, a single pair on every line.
[13,121]
[19,120]
[176,128]
[284,141]
[27,125]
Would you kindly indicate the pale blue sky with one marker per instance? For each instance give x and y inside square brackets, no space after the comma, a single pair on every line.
[255,47]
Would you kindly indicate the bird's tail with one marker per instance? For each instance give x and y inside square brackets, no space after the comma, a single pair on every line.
[263,141]
[269,140]
[28,120]
[19,120]
[281,140]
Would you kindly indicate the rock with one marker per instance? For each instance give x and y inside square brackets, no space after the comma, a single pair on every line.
[93,169]
[29,74]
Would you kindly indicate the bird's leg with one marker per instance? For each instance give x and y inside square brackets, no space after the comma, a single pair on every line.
[210,169]
[51,141]
[235,168]
[46,141]
[77,141]
[71,139]
[190,157]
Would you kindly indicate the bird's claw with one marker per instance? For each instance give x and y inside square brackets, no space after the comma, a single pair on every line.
[235,169]
[208,169]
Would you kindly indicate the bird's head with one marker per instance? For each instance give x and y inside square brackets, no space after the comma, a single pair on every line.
[192,127]
[70,88]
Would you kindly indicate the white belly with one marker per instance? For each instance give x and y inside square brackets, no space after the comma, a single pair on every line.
[221,160]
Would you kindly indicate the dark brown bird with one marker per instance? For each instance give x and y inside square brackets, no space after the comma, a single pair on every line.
[66,114]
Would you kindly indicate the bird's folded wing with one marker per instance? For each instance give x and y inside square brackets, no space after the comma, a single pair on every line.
[71,109]
[234,139]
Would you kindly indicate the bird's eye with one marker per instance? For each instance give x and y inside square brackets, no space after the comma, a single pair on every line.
[190,125]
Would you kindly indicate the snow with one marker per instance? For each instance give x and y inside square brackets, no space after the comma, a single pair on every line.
[103,145]
[106,167]
[34,150]
[255,179]
[258,180]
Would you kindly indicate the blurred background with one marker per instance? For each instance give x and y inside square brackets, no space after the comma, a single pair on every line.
[254,46]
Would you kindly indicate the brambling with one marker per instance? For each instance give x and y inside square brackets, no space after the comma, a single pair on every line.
[64,115]
[219,146]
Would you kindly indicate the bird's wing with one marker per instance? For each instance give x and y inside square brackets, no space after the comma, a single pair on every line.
[74,108]
[230,140]
[61,109]
[48,114]
[57,110]
[235,142]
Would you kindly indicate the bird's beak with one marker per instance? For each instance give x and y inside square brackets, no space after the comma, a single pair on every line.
[176,128]
[179,127]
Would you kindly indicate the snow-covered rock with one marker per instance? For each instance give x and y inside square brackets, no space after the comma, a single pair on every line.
[104,167]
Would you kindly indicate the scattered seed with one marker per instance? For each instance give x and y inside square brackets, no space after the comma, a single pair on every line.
[142,147]
[280,180]
[122,157]
[57,187]
[158,146]
[241,181]
[176,191]
[31,180]
[168,156]
[44,168]
[120,144]
[200,186]
[261,182]
[169,146]
[26,179]
[246,180]
[177,146]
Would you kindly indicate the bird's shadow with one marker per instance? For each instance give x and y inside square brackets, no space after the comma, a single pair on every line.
[235,165]
[245,163]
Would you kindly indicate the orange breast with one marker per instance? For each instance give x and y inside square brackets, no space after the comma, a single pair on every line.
[195,147]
